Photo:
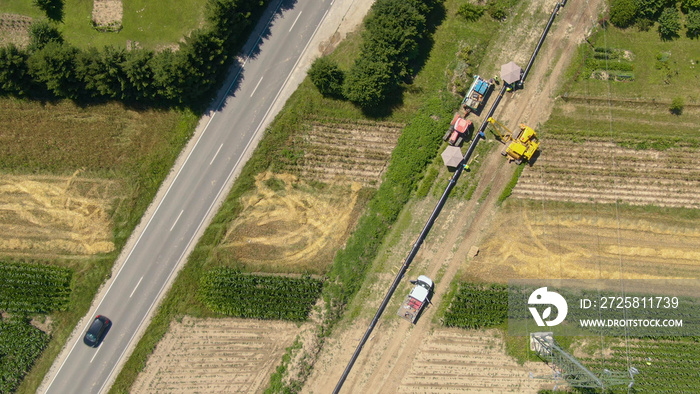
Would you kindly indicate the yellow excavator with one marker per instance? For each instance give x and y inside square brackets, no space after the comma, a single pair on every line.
[521,147]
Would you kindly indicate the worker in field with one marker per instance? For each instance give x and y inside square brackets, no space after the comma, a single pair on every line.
[509,87]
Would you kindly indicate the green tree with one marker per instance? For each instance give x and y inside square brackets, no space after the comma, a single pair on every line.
[650,8]
[139,74]
[623,12]
[677,105]
[199,70]
[327,77]
[42,33]
[54,66]
[52,8]
[13,70]
[369,82]
[669,23]
[692,24]
[690,5]
[471,12]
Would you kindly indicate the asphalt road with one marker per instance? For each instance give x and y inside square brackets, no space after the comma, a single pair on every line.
[182,212]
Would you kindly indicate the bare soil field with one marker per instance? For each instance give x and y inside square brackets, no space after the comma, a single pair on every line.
[51,216]
[336,151]
[452,360]
[14,29]
[587,242]
[190,358]
[288,222]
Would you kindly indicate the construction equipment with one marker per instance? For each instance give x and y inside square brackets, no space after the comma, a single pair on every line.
[521,147]
[475,95]
[457,133]
[417,299]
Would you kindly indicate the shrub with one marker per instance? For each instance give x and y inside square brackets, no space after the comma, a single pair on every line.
[623,12]
[669,23]
[677,105]
[650,8]
[54,67]
[369,82]
[689,5]
[644,24]
[327,77]
[52,8]
[13,70]
[471,12]
[497,10]
[42,33]
[692,23]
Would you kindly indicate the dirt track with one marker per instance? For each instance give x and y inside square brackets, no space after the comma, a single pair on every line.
[388,357]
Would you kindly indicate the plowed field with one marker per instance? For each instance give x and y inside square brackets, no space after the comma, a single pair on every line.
[14,29]
[453,360]
[600,171]
[51,216]
[216,356]
[346,152]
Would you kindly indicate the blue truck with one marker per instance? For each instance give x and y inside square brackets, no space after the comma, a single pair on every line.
[475,96]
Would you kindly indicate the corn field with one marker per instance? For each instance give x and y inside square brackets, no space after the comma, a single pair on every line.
[478,306]
[33,288]
[20,344]
[233,293]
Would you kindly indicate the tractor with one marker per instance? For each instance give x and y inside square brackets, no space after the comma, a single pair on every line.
[459,128]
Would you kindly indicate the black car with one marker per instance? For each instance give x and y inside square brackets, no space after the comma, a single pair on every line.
[96,331]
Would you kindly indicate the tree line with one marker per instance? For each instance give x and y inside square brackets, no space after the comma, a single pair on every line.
[392,39]
[643,14]
[50,67]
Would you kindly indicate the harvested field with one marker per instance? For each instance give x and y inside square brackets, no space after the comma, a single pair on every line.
[451,360]
[603,172]
[14,29]
[107,15]
[287,223]
[587,242]
[49,216]
[189,358]
[335,151]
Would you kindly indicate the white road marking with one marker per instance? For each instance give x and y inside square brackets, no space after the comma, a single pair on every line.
[256,86]
[93,356]
[295,21]
[137,285]
[178,218]
[215,154]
